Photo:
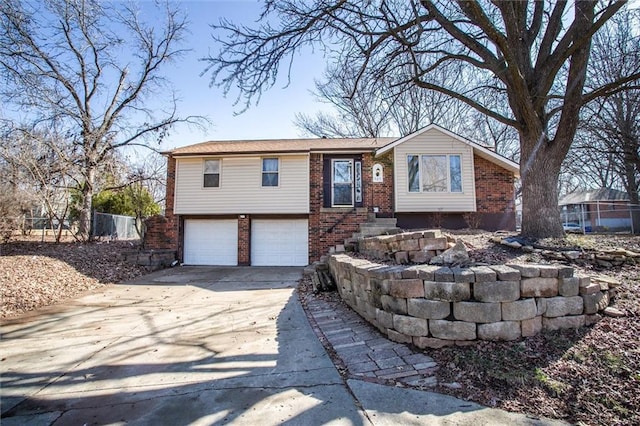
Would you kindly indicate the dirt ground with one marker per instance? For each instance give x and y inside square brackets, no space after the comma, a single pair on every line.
[588,376]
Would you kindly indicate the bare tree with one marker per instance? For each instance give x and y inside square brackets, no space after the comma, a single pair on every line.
[531,56]
[611,124]
[89,68]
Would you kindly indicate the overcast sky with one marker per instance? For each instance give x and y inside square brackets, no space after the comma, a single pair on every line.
[272,118]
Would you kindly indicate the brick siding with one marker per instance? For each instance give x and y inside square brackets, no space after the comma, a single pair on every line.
[331,226]
[162,232]
[495,189]
[244,240]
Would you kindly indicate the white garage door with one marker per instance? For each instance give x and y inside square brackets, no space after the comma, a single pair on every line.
[279,242]
[211,242]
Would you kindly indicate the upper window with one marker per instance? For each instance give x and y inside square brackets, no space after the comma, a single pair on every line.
[270,170]
[434,173]
[211,173]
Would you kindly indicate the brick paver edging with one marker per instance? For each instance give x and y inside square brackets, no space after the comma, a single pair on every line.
[360,351]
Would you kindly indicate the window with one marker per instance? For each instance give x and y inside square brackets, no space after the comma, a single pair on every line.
[342,183]
[270,170]
[211,173]
[434,173]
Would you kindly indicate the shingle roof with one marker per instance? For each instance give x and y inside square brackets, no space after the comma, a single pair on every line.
[601,194]
[281,145]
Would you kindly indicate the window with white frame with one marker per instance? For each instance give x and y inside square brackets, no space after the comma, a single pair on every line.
[211,173]
[434,173]
[270,171]
[342,183]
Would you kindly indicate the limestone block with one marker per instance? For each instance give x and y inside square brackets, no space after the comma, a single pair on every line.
[565,271]
[604,302]
[406,288]
[561,306]
[419,256]
[426,272]
[397,306]
[443,274]
[463,275]
[384,318]
[398,337]
[452,330]
[569,286]
[402,257]
[410,271]
[411,326]
[447,292]
[539,287]
[519,310]
[548,271]
[506,273]
[477,312]
[503,330]
[591,288]
[433,243]
[431,342]
[531,327]
[409,245]
[379,286]
[526,270]
[433,233]
[456,255]
[497,291]
[541,305]
[563,322]
[483,273]
[429,309]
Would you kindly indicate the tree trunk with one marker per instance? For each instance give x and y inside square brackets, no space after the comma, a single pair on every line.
[86,209]
[540,171]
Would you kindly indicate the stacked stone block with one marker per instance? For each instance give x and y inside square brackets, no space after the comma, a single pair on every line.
[404,248]
[435,306]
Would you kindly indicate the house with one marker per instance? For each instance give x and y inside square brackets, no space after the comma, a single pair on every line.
[602,209]
[286,202]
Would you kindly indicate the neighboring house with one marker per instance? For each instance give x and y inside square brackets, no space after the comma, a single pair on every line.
[602,209]
[286,202]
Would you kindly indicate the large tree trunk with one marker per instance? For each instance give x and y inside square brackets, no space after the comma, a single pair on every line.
[84,227]
[540,171]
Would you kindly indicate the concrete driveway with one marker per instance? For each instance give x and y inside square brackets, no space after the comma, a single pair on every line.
[185,346]
[201,346]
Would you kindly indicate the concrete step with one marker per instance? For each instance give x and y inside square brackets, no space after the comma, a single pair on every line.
[390,221]
[374,231]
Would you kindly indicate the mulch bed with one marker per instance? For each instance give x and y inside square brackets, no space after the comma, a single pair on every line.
[34,274]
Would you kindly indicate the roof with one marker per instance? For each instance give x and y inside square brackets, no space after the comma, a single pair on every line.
[600,194]
[281,146]
[483,151]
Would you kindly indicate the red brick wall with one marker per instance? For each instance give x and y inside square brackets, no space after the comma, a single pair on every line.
[378,194]
[331,226]
[162,231]
[244,241]
[495,189]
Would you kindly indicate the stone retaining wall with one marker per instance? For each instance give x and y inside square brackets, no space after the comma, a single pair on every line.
[151,259]
[435,306]
[414,247]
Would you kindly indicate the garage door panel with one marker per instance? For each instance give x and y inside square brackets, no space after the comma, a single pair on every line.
[211,242]
[278,242]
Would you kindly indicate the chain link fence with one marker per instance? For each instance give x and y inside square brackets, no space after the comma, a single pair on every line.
[115,227]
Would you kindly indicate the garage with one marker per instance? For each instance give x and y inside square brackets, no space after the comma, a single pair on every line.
[211,241]
[279,242]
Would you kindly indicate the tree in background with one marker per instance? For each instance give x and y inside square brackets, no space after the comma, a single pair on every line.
[611,127]
[529,56]
[88,68]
